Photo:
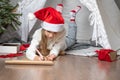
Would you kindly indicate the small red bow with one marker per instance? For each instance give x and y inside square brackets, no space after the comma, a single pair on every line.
[24,47]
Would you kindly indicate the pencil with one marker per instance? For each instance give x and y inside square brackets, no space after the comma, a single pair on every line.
[41,56]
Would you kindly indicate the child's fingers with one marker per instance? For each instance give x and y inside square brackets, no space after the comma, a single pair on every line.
[48,58]
[40,59]
[37,58]
[51,57]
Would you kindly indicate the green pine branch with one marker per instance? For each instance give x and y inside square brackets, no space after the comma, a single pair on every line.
[7,16]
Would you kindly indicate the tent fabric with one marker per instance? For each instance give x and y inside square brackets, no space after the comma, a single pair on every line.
[105,20]
[99,35]
[25,7]
[111,19]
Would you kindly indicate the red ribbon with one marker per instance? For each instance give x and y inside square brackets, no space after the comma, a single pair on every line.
[11,55]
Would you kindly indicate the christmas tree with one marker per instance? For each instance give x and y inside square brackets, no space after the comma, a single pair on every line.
[8,16]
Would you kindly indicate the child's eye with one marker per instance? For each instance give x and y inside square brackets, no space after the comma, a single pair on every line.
[49,31]
[55,32]
[52,32]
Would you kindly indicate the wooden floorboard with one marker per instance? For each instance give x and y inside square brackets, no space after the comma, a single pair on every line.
[66,67]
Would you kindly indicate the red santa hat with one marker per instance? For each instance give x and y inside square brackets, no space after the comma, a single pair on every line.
[52,19]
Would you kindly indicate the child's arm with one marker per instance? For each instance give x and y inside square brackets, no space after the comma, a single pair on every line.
[58,46]
[30,53]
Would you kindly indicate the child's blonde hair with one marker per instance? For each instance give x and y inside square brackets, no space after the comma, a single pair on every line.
[43,44]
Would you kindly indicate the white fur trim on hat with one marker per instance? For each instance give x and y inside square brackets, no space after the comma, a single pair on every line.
[31,16]
[52,27]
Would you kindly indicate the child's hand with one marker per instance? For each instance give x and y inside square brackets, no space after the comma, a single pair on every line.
[51,57]
[37,58]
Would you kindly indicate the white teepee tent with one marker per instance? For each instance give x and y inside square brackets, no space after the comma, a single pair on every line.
[98,20]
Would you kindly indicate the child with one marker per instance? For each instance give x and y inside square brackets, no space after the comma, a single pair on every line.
[50,39]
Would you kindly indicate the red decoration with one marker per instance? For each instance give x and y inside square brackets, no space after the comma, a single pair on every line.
[49,15]
[103,54]
[11,55]
[23,47]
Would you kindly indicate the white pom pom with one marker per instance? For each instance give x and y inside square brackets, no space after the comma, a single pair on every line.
[31,16]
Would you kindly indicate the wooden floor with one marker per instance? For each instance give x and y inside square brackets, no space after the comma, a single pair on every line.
[66,67]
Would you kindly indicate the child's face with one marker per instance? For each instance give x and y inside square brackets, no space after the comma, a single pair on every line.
[50,34]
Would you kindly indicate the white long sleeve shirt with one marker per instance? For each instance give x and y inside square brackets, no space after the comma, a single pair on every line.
[54,45]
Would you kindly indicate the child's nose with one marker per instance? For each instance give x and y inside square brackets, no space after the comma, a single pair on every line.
[51,35]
